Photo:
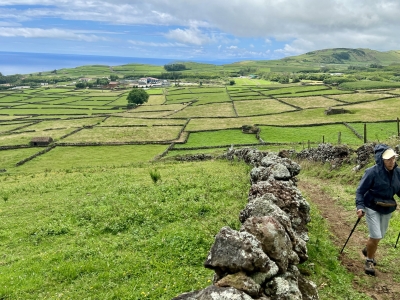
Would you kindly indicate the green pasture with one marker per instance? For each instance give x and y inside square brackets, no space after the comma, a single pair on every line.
[260,107]
[178,91]
[103,93]
[10,104]
[243,93]
[209,110]
[100,99]
[126,121]
[9,127]
[69,157]
[74,123]
[57,90]
[360,97]
[243,98]
[310,102]
[105,233]
[154,100]
[176,152]
[9,158]
[377,131]
[23,138]
[124,134]
[252,82]
[132,113]
[314,134]
[184,98]
[207,98]
[53,117]
[394,91]
[13,98]
[369,85]
[43,100]
[7,118]
[206,90]
[316,93]
[218,138]
[170,107]
[295,89]
[155,91]
[92,103]
[120,102]
[53,111]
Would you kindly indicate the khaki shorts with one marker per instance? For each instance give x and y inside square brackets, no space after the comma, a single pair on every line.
[377,223]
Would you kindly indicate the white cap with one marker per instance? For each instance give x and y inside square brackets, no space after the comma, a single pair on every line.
[389,153]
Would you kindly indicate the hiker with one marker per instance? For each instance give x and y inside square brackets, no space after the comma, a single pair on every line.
[374,199]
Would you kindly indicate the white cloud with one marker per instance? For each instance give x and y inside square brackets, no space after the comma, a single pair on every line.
[189,36]
[47,33]
[153,44]
[232,47]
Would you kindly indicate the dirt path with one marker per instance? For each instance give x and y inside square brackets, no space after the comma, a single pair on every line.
[380,287]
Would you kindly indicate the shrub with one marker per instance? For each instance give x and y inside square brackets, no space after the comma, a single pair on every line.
[155,175]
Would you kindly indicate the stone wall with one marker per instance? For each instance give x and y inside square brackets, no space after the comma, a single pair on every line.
[259,261]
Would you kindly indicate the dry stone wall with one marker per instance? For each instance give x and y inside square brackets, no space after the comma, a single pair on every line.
[259,261]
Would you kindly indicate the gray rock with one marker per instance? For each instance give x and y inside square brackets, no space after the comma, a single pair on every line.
[284,287]
[274,240]
[308,289]
[235,251]
[215,293]
[241,282]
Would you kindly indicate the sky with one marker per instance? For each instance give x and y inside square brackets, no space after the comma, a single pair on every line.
[197,30]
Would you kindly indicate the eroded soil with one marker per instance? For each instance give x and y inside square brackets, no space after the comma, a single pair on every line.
[382,286]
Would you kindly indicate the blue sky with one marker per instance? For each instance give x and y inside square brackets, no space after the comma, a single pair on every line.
[197,30]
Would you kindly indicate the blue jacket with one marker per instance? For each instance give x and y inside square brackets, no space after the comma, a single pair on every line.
[376,183]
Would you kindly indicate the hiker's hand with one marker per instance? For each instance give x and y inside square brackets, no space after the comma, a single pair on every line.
[360,213]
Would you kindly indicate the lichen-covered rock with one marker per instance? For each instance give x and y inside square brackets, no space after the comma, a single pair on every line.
[241,282]
[235,251]
[248,155]
[288,197]
[274,240]
[285,286]
[215,293]
[259,174]
[335,155]
[308,288]
[272,159]
[265,206]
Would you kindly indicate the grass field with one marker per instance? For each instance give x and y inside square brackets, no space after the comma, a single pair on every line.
[85,222]
[218,138]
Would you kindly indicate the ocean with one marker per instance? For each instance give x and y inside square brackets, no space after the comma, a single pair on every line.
[25,63]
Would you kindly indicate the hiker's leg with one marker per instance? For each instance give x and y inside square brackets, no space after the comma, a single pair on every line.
[372,245]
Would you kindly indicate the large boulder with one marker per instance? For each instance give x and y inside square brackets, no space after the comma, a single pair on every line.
[235,251]
[274,240]
[215,293]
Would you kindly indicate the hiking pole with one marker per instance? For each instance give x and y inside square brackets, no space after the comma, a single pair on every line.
[358,220]
[397,240]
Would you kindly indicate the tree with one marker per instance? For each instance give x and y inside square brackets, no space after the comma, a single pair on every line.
[137,97]
[80,85]
[174,67]
[113,77]
[232,82]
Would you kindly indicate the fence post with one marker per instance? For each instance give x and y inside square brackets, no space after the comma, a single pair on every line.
[339,138]
[323,139]
[309,144]
[365,133]
[398,127]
